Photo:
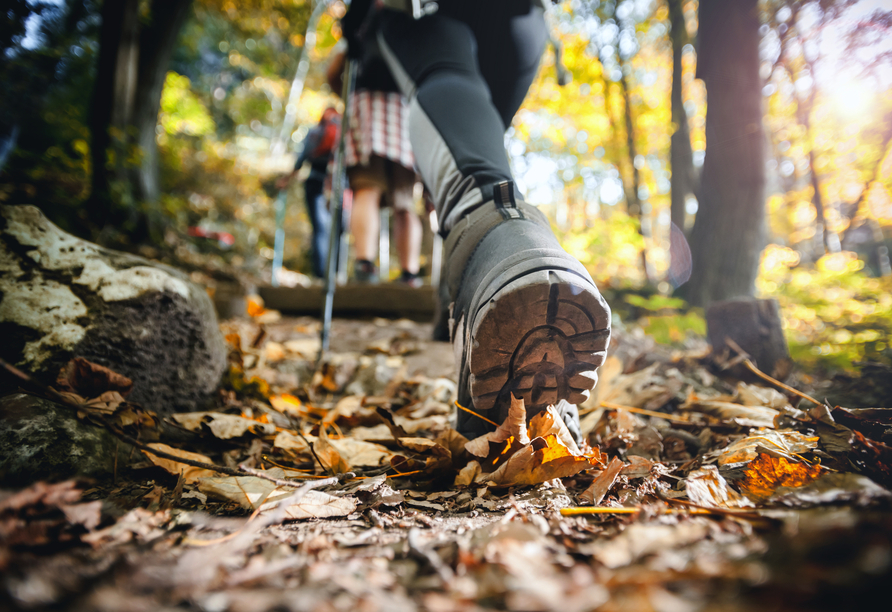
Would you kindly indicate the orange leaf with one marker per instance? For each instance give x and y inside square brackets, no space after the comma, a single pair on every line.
[766,473]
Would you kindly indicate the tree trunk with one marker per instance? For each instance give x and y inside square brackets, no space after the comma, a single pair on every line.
[728,233]
[681,157]
[633,202]
[133,61]
[113,94]
[156,45]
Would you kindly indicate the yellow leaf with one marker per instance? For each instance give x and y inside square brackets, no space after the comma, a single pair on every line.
[766,473]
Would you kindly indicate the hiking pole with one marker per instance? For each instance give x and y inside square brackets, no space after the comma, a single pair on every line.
[277,144]
[279,244]
[338,182]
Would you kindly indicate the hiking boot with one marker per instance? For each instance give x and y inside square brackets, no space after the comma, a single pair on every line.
[526,317]
[364,271]
[411,279]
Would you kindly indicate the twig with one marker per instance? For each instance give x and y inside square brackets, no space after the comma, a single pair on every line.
[281,481]
[576,511]
[479,416]
[312,450]
[744,514]
[752,368]
[659,415]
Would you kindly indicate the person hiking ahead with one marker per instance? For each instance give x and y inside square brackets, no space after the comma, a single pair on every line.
[526,317]
[317,149]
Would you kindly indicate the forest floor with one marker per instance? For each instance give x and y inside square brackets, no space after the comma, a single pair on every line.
[697,487]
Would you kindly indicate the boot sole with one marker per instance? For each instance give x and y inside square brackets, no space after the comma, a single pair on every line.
[541,337]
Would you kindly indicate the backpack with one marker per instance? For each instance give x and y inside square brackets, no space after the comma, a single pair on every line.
[327,140]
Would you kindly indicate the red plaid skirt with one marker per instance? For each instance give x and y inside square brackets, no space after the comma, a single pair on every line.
[379,125]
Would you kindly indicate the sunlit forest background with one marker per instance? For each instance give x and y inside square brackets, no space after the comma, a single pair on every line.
[613,156]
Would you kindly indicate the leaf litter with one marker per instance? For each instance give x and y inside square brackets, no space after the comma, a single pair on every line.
[346,487]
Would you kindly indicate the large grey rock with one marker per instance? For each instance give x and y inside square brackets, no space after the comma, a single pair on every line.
[41,440]
[62,297]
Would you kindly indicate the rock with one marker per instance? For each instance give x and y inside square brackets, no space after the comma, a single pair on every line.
[41,440]
[62,297]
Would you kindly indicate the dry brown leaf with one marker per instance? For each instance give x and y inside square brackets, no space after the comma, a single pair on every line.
[753,395]
[783,443]
[190,473]
[331,459]
[595,494]
[273,352]
[455,442]
[252,493]
[89,379]
[543,459]
[314,504]
[289,441]
[304,347]
[468,474]
[745,416]
[247,491]
[550,422]
[765,474]
[358,453]
[706,487]
[514,428]
[223,426]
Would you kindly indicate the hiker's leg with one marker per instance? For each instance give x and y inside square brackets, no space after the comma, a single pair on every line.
[320,220]
[364,222]
[457,133]
[406,224]
[527,320]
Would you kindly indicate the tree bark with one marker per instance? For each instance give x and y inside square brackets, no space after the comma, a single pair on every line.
[156,45]
[133,61]
[113,94]
[681,157]
[728,233]
[633,202]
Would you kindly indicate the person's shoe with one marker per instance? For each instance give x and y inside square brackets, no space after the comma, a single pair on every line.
[411,279]
[364,271]
[526,316]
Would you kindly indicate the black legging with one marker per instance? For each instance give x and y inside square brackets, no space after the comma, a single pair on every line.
[465,71]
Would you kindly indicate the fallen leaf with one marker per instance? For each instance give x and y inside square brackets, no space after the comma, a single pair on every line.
[550,422]
[106,403]
[90,379]
[328,455]
[289,441]
[255,305]
[602,484]
[782,443]
[766,473]
[514,429]
[273,352]
[468,474]
[543,459]
[314,504]
[223,426]
[745,416]
[189,472]
[754,395]
[247,491]
[706,487]
[358,453]
[304,347]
